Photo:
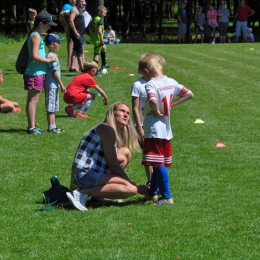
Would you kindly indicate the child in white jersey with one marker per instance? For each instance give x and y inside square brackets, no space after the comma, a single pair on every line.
[161,90]
[139,97]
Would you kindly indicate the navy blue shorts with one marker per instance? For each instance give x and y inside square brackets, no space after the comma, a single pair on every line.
[78,44]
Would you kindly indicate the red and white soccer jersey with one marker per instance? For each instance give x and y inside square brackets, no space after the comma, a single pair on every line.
[163,90]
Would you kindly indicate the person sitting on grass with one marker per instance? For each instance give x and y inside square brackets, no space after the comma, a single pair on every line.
[78,93]
[102,155]
[5,104]
[110,36]
[53,82]
[249,35]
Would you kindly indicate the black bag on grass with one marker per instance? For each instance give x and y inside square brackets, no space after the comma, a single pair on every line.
[56,195]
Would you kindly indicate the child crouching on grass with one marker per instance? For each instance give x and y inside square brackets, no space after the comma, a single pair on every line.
[53,82]
[5,104]
[78,93]
[157,151]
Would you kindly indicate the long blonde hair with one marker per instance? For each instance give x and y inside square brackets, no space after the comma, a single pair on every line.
[126,136]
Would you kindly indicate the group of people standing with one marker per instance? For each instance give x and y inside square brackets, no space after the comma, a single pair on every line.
[75,19]
[214,18]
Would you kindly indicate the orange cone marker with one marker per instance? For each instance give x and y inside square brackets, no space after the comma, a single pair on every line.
[219,144]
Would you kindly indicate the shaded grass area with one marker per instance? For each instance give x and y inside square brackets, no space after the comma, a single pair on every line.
[216,190]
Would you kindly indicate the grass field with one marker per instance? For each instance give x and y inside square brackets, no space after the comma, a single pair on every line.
[216,190]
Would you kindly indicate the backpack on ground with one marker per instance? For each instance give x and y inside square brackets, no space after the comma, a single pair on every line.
[56,195]
[22,59]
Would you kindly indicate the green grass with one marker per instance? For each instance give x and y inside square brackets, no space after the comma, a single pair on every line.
[216,190]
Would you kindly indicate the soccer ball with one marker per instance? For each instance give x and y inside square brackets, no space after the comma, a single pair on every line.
[104,71]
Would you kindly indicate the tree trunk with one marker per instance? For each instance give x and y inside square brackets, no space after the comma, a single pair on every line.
[189,20]
[126,20]
[93,5]
[160,12]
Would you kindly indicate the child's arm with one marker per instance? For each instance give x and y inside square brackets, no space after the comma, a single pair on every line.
[186,97]
[102,93]
[58,80]
[36,39]
[135,108]
[154,109]
[100,32]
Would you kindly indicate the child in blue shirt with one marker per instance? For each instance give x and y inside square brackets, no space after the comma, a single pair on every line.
[53,82]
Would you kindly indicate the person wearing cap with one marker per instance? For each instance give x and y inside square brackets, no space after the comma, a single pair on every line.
[249,35]
[223,20]
[53,82]
[182,22]
[36,69]
[77,31]
[242,13]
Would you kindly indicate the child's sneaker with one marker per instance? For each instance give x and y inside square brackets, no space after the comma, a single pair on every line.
[78,115]
[105,66]
[55,130]
[16,110]
[98,74]
[70,111]
[169,202]
[34,131]
[147,197]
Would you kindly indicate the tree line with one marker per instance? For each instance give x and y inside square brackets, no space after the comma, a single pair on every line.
[126,16]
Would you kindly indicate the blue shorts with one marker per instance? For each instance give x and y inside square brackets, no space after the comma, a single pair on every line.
[182,28]
[78,44]
[52,99]
[86,180]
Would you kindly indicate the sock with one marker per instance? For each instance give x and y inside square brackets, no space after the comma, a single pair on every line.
[96,61]
[163,182]
[52,126]
[86,105]
[154,186]
[103,58]
[76,106]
